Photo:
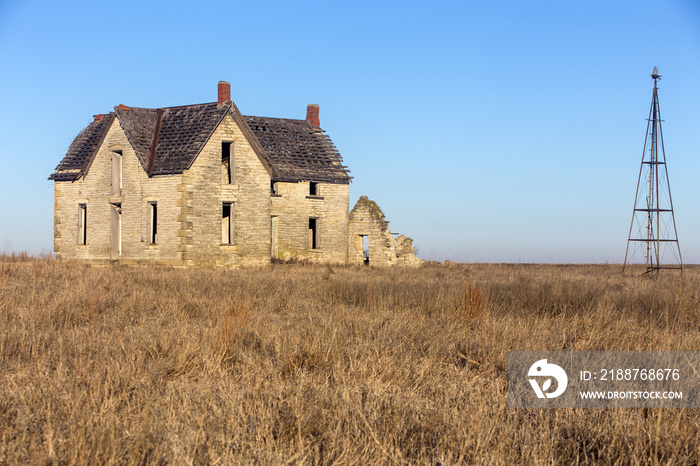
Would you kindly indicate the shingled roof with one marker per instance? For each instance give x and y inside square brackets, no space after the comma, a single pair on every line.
[298,151]
[82,149]
[179,133]
[168,140]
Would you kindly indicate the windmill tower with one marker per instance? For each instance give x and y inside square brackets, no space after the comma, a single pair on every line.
[653,229]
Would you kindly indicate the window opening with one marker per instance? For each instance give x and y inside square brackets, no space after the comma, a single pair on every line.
[226,163]
[153,222]
[313,189]
[82,224]
[116,182]
[227,223]
[313,233]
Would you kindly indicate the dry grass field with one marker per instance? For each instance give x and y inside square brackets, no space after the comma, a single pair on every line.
[319,365]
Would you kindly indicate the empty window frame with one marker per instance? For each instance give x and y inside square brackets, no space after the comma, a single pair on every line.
[273,188]
[313,233]
[116,178]
[82,224]
[313,189]
[152,213]
[227,230]
[227,163]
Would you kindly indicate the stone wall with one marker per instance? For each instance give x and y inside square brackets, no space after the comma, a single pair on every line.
[137,190]
[405,252]
[293,206]
[190,207]
[204,193]
[367,220]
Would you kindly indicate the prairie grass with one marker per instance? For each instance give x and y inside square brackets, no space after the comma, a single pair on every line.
[324,365]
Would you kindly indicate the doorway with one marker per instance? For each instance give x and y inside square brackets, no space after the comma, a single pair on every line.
[115,231]
[273,237]
[365,248]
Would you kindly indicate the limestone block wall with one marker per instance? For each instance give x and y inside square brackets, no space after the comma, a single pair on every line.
[405,252]
[204,192]
[189,210]
[94,190]
[367,219]
[293,206]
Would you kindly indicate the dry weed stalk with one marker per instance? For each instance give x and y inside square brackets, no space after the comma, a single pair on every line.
[471,306]
[4,271]
[232,322]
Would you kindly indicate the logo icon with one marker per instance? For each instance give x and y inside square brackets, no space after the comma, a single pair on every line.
[551,371]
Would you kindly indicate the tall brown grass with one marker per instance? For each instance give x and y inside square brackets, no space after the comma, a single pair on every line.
[320,365]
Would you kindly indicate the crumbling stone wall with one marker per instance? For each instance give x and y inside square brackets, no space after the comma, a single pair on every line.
[367,219]
[405,252]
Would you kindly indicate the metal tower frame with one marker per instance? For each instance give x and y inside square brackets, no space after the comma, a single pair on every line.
[653,199]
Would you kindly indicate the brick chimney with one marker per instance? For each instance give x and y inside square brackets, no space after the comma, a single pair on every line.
[312,115]
[224,92]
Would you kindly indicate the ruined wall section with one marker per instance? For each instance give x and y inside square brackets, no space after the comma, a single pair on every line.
[405,252]
[367,219]
[293,206]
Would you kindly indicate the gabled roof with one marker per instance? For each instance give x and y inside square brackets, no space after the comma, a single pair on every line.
[298,151]
[179,133]
[168,140]
[82,150]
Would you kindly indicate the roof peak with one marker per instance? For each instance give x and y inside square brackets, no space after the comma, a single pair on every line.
[126,108]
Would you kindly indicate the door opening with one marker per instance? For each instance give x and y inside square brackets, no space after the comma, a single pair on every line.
[115,232]
[365,248]
[273,237]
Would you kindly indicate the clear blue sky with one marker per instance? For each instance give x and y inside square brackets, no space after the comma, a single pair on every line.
[488,131]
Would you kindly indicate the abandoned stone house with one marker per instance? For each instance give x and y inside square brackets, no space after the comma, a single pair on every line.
[204,185]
